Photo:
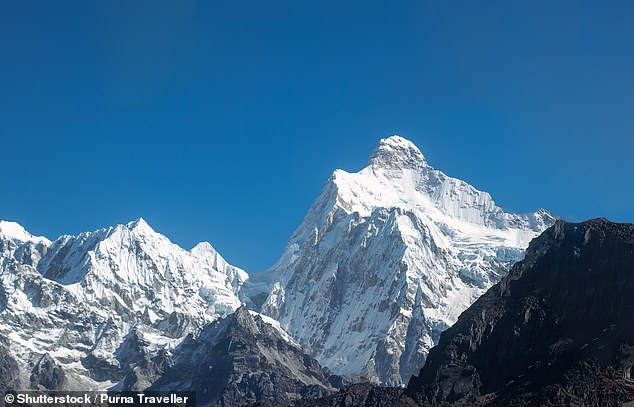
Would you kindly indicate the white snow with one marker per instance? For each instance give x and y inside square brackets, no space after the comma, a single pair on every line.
[84,294]
[387,258]
[14,231]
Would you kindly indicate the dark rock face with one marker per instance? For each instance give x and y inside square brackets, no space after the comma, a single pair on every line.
[9,379]
[363,395]
[558,330]
[240,360]
[47,374]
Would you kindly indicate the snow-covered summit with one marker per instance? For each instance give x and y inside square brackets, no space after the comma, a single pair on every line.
[395,152]
[141,226]
[15,231]
[388,257]
[134,260]
[397,175]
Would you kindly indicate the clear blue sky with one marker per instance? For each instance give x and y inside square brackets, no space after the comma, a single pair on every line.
[222,121]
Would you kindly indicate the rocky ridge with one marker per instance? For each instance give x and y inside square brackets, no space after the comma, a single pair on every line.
[239,360]
[556,331]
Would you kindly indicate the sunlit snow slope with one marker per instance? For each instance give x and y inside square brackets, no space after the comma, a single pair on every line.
[386,259]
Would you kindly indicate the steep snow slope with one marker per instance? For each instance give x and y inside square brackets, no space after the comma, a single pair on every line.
[16,244]
[386,259]
[79,299]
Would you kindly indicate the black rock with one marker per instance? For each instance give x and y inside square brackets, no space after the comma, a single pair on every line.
[47,374]
[9,379]
[558,330]
[240,360]
[363,395]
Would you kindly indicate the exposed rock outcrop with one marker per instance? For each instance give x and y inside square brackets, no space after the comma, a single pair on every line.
[558,330]
[240,360]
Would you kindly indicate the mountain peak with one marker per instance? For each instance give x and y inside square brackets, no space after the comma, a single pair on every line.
[203,247]
[15,231]
[396,152]
[140,225]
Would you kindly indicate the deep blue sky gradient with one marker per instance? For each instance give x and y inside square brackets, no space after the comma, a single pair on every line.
[222,121]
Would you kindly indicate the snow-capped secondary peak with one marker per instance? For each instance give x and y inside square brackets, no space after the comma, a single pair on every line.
[396,152]
[15,231]
[133,256]
[84,295]
[209,256]
[203,248]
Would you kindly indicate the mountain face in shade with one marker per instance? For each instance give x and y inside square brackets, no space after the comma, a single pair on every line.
[558,330]
[73,312]
[239,360]
[385,260]
[9,370]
